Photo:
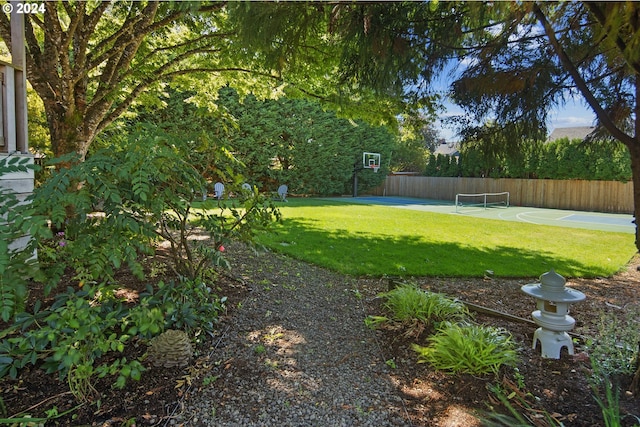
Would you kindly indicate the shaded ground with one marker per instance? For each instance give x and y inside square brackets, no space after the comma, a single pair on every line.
[559,387]
[428,398]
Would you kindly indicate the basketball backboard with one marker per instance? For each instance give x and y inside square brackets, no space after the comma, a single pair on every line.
[371,161]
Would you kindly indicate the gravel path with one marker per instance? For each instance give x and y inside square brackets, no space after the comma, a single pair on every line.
[296,353]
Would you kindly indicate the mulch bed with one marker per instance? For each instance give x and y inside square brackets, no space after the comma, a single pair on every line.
[559,387]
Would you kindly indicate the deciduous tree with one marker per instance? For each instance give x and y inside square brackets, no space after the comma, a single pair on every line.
[89,61]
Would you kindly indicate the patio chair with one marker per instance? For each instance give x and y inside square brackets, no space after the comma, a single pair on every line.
[282,192]
[218,190]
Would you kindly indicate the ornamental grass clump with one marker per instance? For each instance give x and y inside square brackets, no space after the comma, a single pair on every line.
[415,309]
[468,348]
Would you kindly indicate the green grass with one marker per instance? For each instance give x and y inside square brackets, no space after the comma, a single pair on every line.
[376,240]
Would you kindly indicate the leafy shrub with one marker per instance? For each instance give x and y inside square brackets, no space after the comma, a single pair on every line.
[472,349]
[416,309]
[188,305]
[146,191]
[17,262]
[70,337]
[94,246]
[614,347]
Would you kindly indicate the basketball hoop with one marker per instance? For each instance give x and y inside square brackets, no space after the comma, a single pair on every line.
[371,161]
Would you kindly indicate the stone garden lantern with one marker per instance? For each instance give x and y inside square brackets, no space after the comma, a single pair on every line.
[553,300]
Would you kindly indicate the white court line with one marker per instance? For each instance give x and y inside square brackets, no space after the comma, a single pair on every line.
[501,216]
[600,223]
[519,217]
[563,218]
[565,222]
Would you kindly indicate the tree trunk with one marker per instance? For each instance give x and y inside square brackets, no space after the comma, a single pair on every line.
[68,129]
[634,151]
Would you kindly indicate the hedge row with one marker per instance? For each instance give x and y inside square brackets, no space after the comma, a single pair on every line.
[560,159]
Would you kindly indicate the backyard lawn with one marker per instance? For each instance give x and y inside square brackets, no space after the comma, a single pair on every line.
[378,241]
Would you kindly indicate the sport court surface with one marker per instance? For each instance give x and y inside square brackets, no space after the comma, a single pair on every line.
[555,217]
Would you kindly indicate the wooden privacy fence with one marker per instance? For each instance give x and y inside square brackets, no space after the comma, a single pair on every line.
[597,196]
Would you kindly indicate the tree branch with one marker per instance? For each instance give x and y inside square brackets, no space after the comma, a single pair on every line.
[604,118]
[88,27]
[105,48]
[76,18]
[595,10]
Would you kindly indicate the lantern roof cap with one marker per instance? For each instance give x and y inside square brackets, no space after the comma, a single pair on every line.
[552,288]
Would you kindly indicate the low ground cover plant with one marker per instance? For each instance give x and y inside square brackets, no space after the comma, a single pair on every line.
[468,348]
[69,338]
[455,344]
[415,310]
[615,346]
[614,354]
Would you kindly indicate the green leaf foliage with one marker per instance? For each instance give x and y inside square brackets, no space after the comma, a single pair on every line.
[186,305]
[468,348]
[20,229]
[108,212]
[408,302]
[415,310]
[123,198]
[70,337]
[560,159]
[296,142]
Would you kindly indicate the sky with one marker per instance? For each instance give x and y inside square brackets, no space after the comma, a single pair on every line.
[573,114]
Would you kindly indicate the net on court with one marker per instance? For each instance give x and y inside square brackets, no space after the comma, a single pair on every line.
[482,200]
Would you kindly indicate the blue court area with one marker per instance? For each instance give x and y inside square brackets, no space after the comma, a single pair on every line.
[554,217]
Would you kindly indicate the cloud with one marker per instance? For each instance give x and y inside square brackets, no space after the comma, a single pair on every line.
[573,121]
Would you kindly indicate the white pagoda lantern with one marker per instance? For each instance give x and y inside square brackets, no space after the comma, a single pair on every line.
[553,301]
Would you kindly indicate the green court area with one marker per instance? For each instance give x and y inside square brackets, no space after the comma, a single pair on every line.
[360,236]
[555,217]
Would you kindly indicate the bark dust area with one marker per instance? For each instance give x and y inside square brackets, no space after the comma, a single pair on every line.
[421,396]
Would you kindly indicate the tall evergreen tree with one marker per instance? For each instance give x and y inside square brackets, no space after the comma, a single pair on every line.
[90,61]
[538,55]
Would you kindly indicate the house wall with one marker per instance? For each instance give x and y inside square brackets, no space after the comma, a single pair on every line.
[596,196]
[21,184]
[14,139]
